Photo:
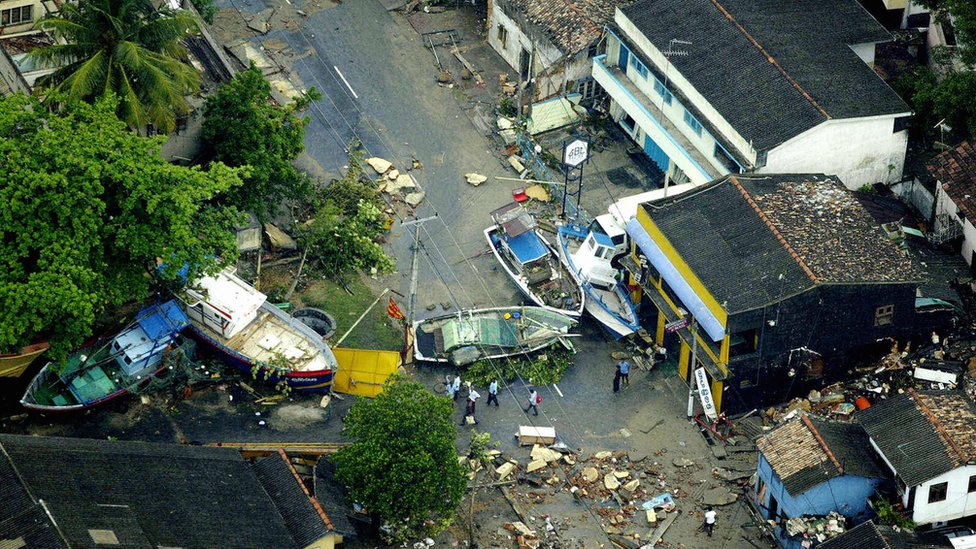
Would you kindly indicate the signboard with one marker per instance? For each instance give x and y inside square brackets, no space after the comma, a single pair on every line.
[576,152]
[705,394]
[672,327]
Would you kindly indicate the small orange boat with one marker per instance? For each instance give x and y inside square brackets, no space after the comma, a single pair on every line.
[14,364]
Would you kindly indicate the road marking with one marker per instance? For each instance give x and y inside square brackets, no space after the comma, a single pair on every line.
[346,81]
[557,389]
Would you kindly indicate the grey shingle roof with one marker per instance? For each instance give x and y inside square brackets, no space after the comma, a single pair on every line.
[816,75]
[873,536]
[303,521]
[20,516]
[149,495]
[570,25]
[332,495]
[753,240]
[923,434]
[801,462]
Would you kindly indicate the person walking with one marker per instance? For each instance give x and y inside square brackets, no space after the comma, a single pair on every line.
[624,368]
[449,385]
[534,401]
[469,407]
[709,520]
[492,393]
[616,379]
[456,387]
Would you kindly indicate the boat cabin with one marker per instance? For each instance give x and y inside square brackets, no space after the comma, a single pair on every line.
[223,303]
[592,259]
[519,241]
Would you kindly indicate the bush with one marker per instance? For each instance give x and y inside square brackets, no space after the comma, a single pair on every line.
[542,369]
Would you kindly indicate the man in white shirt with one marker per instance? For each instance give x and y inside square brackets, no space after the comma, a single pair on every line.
[709,520]
[493,393]
[469,410]
[456,387]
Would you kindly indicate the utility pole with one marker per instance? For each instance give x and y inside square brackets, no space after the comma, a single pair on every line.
[414,248]
[691,368]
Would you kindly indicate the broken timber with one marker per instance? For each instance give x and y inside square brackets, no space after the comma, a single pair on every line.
[262,449]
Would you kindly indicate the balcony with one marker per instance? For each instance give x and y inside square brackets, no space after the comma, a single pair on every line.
[653,121]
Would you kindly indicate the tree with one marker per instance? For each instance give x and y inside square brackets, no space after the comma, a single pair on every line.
[86,210]
[963,13]
[402,464]
[243,127]
[343,243]
[127,48]
[934,100]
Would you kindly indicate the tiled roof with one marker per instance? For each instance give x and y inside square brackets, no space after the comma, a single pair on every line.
[807,451]
[772,68]
[332,495]
[923,434]
[571,25]
[873,536]
[306,522]
[20,516]
[955,169]
[753,240]
[148,495]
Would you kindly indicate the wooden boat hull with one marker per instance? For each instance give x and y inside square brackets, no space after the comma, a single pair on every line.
[617,326]
[319,381]
[14,364]
[524,287]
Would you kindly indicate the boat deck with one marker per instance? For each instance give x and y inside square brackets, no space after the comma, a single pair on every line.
[556,288]
[269,337]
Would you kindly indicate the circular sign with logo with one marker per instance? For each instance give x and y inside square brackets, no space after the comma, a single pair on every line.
[576,152]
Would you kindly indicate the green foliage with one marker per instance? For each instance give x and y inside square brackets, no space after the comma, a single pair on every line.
[507,108]
[86,209]
[345,243]
[933,100]
[346,193]
[243,127]
[887,514]
[207,10]
[964,24]
[541,369]
[128,48]
[479,446]
[402,465]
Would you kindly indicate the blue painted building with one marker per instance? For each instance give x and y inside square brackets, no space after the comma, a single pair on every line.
[811,467]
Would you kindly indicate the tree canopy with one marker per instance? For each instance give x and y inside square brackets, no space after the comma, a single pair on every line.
[963,14]
[243,127]
[403,465]
[86,210]
[128,48]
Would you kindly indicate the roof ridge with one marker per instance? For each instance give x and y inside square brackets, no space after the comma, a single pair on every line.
[772,227]
[311,499]
[822,442]
[771,59]
[939,428]
[582,13]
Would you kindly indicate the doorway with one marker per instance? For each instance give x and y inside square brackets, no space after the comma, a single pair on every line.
[524,63]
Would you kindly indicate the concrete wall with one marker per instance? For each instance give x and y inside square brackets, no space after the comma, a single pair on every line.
[945,206]
[37,12]
[865,52]
[859,151]
[847,495]
[917,196]
[957,504]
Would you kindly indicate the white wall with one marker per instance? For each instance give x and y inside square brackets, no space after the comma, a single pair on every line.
[37,12]
[865,52]
[957,504]
[859,151]
[945,205]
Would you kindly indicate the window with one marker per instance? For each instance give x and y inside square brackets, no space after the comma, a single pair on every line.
[693,123]
[972,484]
[593,51]
[725,159]
[662,91]
[638,66]
[884,315]
[503,36]
[17,16]
[901,124]
[744,343]
[937,492]
[628,122]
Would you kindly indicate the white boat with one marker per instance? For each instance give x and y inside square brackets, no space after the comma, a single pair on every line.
[588,253]
[465,337]
[532,262]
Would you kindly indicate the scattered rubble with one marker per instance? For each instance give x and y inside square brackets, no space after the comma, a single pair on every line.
[279,239]
[379,164]
[475,179]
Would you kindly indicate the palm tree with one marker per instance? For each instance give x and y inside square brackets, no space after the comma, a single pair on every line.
[123,47]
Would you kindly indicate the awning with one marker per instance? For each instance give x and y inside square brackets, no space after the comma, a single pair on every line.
[706,319]
[527,247]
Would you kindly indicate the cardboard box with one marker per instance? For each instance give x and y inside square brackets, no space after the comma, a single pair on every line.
[529,435]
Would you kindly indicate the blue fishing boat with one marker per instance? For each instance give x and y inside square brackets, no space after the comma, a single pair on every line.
[235,320]
[104,370]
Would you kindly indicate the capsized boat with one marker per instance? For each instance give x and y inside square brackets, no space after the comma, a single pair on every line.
[589,254]
[532,262]
[105,370]
[235,319]
[14,364]
[465,337]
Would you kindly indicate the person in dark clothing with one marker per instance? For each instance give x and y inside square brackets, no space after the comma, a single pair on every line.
[624,369]
[493,393]
[616,380]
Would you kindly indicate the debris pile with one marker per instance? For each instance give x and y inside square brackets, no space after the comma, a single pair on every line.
[396,183]
[820,528]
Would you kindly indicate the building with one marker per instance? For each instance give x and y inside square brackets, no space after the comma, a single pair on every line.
[811,467]
[18,37]
[783,275]
[928,440]
[710,87]
[954,172]
[60,492]
[550,41]
[877,536]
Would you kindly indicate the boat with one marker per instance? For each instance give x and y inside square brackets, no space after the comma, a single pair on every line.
[590,253]
[464,337]
[14,364]
[105,370]
[234,319]
[532,262]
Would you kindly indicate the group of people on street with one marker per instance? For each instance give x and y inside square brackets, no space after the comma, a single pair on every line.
[454,391]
